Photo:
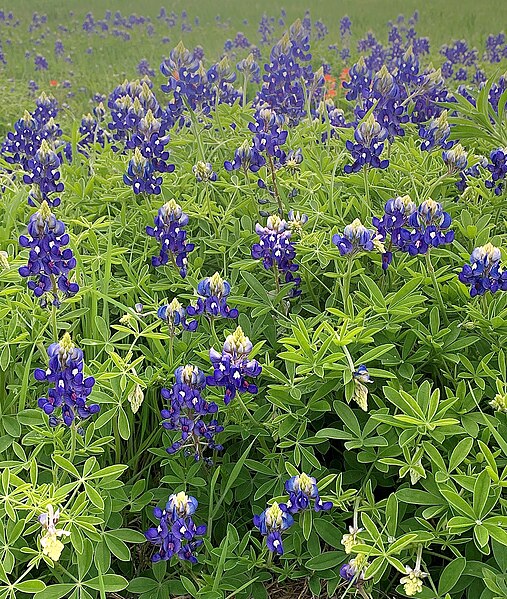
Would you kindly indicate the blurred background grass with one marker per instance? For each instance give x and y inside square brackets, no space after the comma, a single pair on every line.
[112,60]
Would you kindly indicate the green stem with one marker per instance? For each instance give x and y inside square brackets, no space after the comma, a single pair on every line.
[277,278]
[275,186]
[346,283]
[73,439]
[436,287]
[54,324]
[364,214]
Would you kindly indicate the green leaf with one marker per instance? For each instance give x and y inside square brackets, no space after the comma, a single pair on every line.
[111,583]
[460,452]
[458,503]
[481,493]
[66,465]
[55,591]
[326,561]
[450,575]
[30,586]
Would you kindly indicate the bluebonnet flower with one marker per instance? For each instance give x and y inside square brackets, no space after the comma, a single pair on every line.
[71,388]
[345,26]
[360,392]
[353,571]
[276,250]
[213,292]
[44,175]
[232,367]
[187,413]
[289,83]
[429,227]
[356,238]
[59,49]
[41,64]
[91,130]
[204,172]
[48,260]
[436,133]
[498,169]
[302,489]
[268,133]
[250,68]
[246,157]
[141,175]
[271,523]
[369,136]
[456,159]
[484,273]
[293,160]
[176,533]
[144,69]
[296,221]
[360,80]
[169,231]
[175,315]
[412,230]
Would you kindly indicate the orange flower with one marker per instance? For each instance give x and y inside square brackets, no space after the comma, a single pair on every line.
[330,85]
[53,82]
[344,76]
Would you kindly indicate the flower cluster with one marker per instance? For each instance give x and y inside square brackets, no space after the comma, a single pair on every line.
[302,489]
[33,145]
[369,136]
[187,412]
[175,315]
[246,157]
[277,251]
[356,238]
[232,367]
[413,581]
[456,159]
[290,85]
[436,133]
[50,539]
[279,517]
[360,393]
[71,388]
[268,133]
[412,229]
[498,169]
[204,172]
[483,273]
[169,231]
[213,292]
[176,533]
[44,176]
[48,260]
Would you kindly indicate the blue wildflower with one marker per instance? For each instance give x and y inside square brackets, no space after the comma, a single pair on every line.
[176,534]
[187,412]
[169,231]
[214,292]
[48,260]
[271,523]
[246,157]
[232,367]
[369,136]
[71,388]
[498,169]
[175,315]
[483,274]
[302,489]
[356,238]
